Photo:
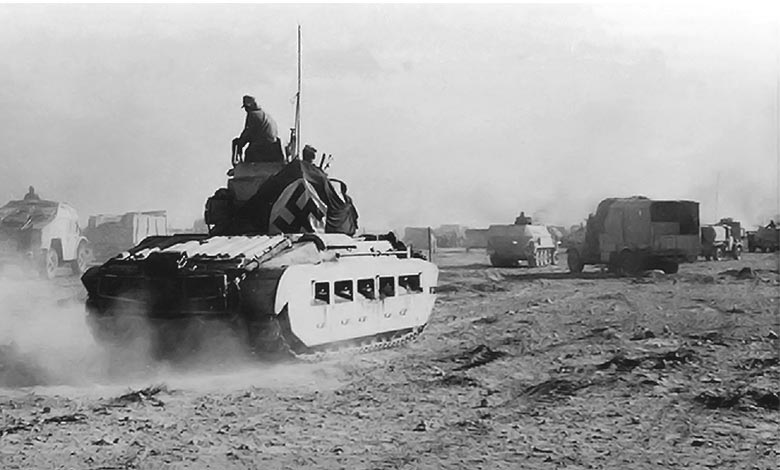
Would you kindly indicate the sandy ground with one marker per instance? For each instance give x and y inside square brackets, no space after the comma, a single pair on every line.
[519,368]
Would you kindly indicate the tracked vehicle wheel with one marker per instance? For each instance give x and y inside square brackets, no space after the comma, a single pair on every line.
[501,262]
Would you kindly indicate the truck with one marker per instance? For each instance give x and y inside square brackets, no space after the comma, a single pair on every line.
[111,234]
[630,235]
[719,240]
[42,235]
[521,241]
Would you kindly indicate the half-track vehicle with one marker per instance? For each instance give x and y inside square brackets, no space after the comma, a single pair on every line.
[521,241]
[718,241]
[630,235]
[280,267]
[42,235]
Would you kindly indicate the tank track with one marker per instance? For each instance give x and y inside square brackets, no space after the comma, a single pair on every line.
[376,345]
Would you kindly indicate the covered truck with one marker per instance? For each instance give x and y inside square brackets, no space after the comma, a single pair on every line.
[630,235]
[111,234]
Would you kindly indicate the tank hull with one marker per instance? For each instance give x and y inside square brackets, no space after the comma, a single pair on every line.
[290,294]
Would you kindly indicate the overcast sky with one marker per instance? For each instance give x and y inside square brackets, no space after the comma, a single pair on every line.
[434,114]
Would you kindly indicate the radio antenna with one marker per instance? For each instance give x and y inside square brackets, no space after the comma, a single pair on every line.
[298,102]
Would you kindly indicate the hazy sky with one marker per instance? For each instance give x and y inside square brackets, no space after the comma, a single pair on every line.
[434,114]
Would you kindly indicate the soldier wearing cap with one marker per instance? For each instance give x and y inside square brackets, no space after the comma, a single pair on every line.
[260,132]
[309,153]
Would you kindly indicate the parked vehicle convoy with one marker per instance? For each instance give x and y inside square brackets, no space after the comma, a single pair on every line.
[630,235]
[43,235]
[521,241]
[718,241]
[111,234]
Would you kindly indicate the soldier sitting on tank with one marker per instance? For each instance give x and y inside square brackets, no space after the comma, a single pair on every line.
[309,154]
[31,196]
[522,219]
[260,133]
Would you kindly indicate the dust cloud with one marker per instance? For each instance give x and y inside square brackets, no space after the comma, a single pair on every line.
[46,346]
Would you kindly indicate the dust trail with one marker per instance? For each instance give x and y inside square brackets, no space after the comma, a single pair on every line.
[47,347]
[44,338]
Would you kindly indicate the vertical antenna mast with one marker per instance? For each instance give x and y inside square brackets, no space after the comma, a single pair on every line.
[298,102]
[717,189]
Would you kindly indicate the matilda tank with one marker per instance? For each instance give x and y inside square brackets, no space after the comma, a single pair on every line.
[281,266]
[521,241]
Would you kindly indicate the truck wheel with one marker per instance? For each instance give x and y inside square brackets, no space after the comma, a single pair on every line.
[574,260]
[554,258]
[670,267]
[736,253]
[83,258]
[717,254]
[50,261]
[631,263]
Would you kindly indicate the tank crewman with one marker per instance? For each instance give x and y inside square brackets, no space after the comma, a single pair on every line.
[31,196]
[260,132]
[522,219]
[309,153]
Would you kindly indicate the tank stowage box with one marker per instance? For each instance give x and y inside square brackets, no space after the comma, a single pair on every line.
[508,244]
[630,235]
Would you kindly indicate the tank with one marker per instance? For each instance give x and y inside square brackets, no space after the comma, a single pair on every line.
[521,241]
[280,267]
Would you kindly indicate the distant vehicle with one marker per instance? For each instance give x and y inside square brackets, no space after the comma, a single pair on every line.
[113,234]
[450,236]
[521,241]
[43,235]
[766,239]
[630,235]
[476,238]
[420,238]
[718,241]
